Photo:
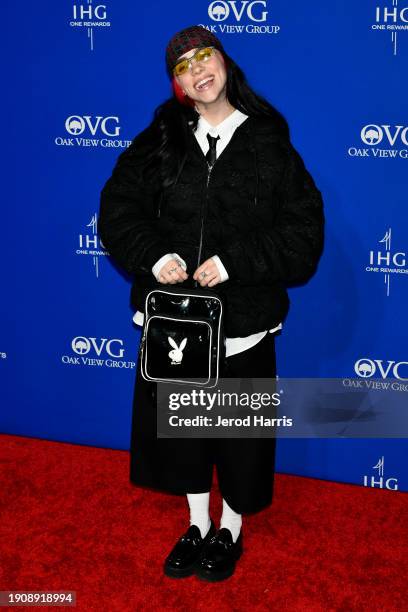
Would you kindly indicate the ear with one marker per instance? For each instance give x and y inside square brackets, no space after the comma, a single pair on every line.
[172,343]
[183,344]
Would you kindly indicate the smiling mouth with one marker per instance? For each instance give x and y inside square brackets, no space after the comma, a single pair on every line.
[204,84]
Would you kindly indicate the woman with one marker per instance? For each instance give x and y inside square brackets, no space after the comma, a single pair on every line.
[263,231]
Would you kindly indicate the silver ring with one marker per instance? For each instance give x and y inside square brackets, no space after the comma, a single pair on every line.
[203,274]
[173,269]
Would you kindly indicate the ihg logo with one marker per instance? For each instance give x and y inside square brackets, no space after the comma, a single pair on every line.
[391,14]
[87,11]
[380,482]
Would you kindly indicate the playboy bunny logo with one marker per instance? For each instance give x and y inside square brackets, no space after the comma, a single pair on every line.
[176,355]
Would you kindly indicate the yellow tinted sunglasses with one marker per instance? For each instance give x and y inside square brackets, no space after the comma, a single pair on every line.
[202,55]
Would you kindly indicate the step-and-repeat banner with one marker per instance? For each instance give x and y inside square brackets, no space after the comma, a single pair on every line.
[82,80]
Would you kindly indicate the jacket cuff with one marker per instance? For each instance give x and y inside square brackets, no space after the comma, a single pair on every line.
[227,264]
[163,260]
[221,269]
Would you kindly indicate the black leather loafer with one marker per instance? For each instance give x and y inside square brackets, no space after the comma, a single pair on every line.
[182,560]
[220,556]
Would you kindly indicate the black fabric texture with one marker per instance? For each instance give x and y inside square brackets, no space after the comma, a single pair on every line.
[264,220]
[245,466]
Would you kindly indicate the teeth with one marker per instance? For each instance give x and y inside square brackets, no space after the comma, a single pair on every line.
[203,82]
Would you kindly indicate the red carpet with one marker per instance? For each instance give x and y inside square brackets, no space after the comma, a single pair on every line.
[70,520]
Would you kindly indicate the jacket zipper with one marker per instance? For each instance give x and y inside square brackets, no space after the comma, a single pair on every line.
[160,205]
[210,168]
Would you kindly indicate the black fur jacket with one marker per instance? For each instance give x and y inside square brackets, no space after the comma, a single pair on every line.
[263,216]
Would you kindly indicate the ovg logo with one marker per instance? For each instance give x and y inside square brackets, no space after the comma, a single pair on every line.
[91,245]
[97,352]
[92,131]
[221,10]
[89,16]
[386,261]
[74,126]
[366,368]
[82,346]
[371,134]
[391,19]
[390,135]
[236,17]
[393,141]
[77,125]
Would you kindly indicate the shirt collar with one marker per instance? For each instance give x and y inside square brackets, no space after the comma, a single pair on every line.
[224,130]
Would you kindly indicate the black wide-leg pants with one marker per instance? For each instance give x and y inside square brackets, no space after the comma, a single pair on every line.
[245,466]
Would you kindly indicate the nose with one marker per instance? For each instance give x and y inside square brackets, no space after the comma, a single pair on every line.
[196,67]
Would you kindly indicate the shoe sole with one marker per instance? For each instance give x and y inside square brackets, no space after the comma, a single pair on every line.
[209,576]
[184,573]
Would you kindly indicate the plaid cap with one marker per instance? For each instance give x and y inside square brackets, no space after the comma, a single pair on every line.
[194,37]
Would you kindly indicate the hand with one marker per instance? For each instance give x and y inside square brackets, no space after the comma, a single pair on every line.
[212,276]
[172,273]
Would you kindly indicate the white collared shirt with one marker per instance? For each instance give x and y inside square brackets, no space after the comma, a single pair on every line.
[224,130]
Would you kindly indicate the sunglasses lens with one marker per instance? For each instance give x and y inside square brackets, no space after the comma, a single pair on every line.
[204,54]
[180,68]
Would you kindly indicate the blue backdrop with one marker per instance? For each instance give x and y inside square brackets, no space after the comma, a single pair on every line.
[84,79]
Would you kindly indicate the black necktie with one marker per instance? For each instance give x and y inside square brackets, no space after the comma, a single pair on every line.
[212,151]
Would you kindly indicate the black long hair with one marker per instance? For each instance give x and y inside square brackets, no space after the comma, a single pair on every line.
[172,119]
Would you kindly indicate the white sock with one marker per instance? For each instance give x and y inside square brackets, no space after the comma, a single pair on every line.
[231,520]
[199,511]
